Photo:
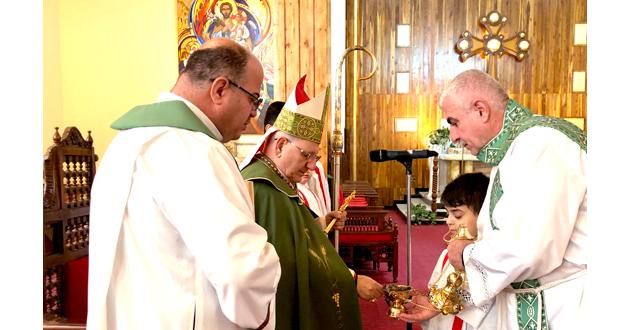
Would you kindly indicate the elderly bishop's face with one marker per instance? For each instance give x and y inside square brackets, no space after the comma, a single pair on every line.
[298,157]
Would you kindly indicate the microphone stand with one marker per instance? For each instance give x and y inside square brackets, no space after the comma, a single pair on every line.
[407,163]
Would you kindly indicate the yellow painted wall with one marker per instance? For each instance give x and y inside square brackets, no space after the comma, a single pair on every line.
[52,115]
[101,58]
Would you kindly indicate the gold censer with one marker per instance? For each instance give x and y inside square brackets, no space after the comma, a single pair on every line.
[396,296]
[447,299]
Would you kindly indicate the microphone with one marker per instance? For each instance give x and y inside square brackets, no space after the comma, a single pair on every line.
[400,155]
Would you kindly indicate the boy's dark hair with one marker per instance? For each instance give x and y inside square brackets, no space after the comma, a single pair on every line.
[272,112]
[467,189]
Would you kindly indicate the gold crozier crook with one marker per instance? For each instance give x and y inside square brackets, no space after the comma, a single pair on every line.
[338,138]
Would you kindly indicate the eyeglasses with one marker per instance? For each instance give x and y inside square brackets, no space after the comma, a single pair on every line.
[310,156]
[256,100]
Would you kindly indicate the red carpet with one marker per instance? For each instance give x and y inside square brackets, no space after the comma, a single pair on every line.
[426,246]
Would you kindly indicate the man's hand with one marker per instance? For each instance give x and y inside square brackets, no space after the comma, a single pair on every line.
[368,289]
[340,216]
[455,250]
[416,313]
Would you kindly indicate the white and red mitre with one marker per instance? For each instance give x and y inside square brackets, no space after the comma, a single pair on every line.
[301,116]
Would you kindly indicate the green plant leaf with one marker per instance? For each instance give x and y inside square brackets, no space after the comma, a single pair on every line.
[420,212]
[440,136]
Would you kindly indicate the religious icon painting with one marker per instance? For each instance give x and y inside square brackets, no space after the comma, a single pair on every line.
[248,22]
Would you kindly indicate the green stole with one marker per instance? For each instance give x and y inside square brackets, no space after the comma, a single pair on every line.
[169,113]
[316,290]
[516,120]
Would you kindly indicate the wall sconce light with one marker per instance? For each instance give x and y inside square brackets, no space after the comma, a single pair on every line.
[493,42]
[579,81]
[409,124]
[403,35]
[402,82]
[580,34]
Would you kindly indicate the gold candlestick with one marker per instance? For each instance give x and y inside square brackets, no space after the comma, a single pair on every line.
[342,208]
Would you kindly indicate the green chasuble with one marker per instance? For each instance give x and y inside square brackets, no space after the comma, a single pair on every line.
[316,290]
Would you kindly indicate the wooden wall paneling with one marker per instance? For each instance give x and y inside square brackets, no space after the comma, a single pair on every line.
[306,53]
[281,45]
[562,45]
[402,55]
[352,71]
[563,103]
[345,158]
[566,47]
[578,58]
[511,28]
[292,51]
[303,47]
[555,68]
[526,77]
[426,33]
[580,102]
[542,82]
[568,83]
[385,82]
[365,124]
[376,117]
[323,73]
[522,79]
[540,52]
[389,174]
[528,81]
[445,37]
[415,83]
[369,37]
[578,63]
[457,26]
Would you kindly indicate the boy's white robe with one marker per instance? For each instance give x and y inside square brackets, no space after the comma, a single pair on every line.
[173,240]
[474,317]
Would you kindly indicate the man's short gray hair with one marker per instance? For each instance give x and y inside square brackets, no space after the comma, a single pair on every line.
[290,137]
[220,60]
[477,83]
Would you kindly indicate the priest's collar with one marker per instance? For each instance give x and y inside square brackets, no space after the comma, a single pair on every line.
[267,161]
[492,153]
[263,168]
[168,96]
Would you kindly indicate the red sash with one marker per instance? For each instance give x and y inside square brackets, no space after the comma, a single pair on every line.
[303,198]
